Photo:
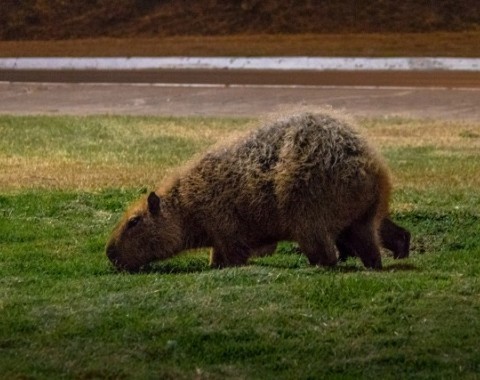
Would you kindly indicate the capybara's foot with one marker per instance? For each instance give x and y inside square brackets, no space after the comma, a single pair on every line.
[320,252]
[372,262]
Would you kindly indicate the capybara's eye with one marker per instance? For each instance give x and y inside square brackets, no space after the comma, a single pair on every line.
[133,222]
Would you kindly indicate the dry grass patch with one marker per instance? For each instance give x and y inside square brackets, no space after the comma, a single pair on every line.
[47,173]
[425,154]
[439,134]
[91,153]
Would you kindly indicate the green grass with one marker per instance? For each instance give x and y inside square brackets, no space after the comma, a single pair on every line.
[64,313]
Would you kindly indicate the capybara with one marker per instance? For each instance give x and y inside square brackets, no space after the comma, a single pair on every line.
[309,178]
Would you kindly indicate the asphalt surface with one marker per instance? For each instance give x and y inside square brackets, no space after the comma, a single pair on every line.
[435,94]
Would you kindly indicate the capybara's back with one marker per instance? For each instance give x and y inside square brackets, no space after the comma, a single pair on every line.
[307,178]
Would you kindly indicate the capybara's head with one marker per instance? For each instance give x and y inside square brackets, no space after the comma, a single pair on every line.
[147,232]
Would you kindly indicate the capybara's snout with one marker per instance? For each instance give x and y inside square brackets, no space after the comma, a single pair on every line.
[120,262]
[112,253]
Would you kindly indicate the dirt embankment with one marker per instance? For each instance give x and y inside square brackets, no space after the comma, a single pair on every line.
[59,19]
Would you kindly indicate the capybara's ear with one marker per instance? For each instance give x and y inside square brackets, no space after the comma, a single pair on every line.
[153,203]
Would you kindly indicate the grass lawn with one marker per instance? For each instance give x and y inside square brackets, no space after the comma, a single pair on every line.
[64,312]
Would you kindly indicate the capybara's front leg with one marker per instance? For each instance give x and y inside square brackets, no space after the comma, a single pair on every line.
[228,255]
[320,250]
[216,259]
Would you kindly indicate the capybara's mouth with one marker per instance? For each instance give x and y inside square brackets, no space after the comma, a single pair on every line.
[112,253]
[114,257]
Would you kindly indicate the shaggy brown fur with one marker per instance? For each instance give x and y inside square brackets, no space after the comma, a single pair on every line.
[309,178]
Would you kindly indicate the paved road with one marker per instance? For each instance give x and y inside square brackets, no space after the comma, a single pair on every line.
[445,95]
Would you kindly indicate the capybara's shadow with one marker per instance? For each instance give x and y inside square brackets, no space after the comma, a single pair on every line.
[350,266]
[394,267]
[401,267]
[198,264]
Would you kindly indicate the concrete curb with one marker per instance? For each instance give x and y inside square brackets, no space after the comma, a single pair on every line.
[244,63]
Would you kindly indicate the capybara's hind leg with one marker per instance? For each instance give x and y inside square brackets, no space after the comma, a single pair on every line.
[320,250]
[345,250]
[362,238]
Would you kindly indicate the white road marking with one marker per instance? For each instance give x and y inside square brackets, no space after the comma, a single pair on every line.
[245,63]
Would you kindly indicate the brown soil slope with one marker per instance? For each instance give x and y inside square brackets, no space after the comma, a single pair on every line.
[60,19]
